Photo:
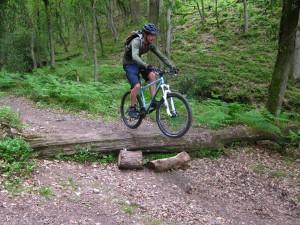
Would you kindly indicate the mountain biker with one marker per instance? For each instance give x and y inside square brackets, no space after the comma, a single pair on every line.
[133,64]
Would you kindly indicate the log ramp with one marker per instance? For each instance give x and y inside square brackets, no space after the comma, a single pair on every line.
[197,138]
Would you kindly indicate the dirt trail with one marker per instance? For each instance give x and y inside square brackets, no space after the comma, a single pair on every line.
[246,186]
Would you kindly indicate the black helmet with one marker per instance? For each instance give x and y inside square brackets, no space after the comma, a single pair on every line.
[150,28]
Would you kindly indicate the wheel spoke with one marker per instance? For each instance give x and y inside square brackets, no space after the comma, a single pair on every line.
[179,122]
[129,121]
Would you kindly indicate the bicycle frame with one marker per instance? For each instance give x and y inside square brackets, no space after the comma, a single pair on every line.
[160,84]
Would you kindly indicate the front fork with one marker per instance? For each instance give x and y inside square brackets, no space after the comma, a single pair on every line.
[166,90]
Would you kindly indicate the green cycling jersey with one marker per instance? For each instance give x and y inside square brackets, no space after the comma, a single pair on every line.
[137,48]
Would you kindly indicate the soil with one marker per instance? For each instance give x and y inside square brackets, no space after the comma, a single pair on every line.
[248,185]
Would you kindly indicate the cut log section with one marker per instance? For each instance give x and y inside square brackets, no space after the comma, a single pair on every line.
[181,160]
[130,159]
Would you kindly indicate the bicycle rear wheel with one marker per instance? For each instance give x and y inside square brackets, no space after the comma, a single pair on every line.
[180,120]
[132,123]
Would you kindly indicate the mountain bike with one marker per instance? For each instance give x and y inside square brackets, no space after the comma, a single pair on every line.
[173,113]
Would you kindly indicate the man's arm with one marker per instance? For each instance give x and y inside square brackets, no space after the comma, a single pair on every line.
[161,56]
[135,46]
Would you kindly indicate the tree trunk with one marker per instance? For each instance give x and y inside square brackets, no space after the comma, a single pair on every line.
[296,69]
[217,12]
[60,31]
[153,17]
[200,13]
[32,52]
[130,159]
[203,10]
[284,62]
[154,11]
[110,19]
[181,160]
[246,19]
[169,32]
[100,36]
[96,73]
[50,35]
[135,10]
[51,145]
[85,32]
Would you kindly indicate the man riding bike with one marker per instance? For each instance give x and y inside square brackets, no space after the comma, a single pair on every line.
[133,64]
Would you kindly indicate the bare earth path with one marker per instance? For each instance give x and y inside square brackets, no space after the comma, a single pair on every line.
[246,186]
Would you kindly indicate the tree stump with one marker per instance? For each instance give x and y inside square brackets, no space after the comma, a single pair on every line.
[179,161]
[130,159]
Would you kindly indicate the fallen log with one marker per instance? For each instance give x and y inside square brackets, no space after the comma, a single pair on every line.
[178,161]
[130,159]
[197,138]
[69,57]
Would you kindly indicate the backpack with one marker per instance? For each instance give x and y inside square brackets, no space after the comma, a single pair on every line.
[132,35]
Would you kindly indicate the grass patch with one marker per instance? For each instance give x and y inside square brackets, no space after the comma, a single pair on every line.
[16,158]
[206,153]
[10,118]
[94,97]
[195,154]
[129,208]
[46,192]
[84,155]
[264,169]
[70,182]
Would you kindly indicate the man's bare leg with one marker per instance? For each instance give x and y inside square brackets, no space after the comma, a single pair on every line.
[152,78]
[134,92]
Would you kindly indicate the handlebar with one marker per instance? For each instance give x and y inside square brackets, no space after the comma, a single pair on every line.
[162,72]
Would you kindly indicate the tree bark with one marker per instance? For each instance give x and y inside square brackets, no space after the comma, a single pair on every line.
[135,10]
[246,19]
[153,17]
[85,32]
[200,13]
[296,69]
[50,35]
[32,52]
[130,159]
[96,72]
[169,31]
[110,19]
[60,31]
[217,12]
[100,36]
[284,62]
[203,10]
[181,160]
[154,11]
[51,145]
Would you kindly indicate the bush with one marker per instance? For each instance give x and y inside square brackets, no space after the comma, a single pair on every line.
[15,51]
[10,118]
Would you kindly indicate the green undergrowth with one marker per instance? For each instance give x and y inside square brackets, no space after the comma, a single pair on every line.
[225,63]
[85,155]
[195,154]
[215,114]
[104,97]
[101,97]
[9,118]
[16,157]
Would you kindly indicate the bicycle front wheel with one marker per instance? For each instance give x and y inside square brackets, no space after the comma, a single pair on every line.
[174,117]
[132,123]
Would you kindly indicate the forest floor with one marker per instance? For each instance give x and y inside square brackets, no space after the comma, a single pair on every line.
[247,185]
